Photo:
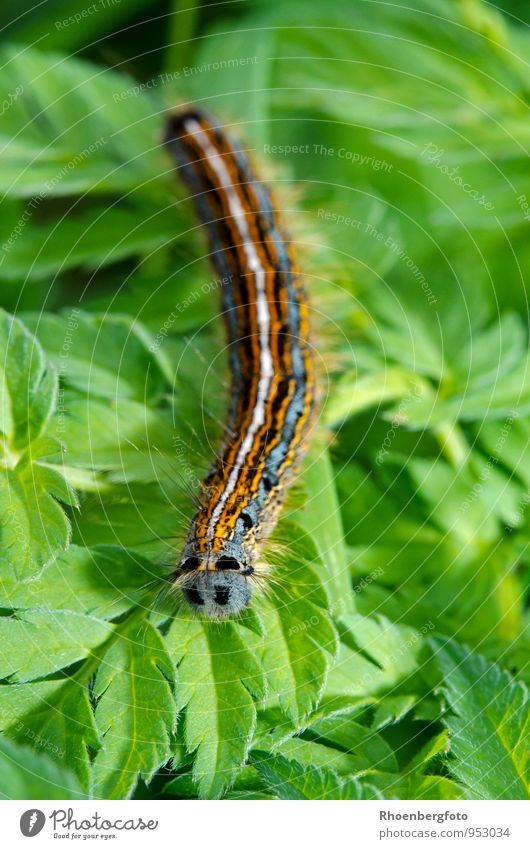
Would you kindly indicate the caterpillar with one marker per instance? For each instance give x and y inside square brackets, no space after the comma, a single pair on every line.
[272,397]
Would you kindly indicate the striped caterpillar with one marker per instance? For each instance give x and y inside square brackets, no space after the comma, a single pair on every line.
[271,364]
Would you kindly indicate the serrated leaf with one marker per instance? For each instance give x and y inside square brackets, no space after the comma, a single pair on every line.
[135,710]
[103,582]
[288,779]
[420,307]
[419,787]
[28,388]
[36,643]
[391,710]
[345,734]
[218,676]
[489,379]
[17,700]
[434,748]
[301,640]
[489,724]
[374,655]
[316,752]
[33,526]
[327,535]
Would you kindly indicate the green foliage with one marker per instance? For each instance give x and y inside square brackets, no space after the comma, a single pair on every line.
[489,721]
[27,775]
[135,709]
[410,515]
[33,525]
[39,642]
[218,678]
[290,780]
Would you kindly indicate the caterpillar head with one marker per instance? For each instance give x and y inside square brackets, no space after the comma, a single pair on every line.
[217,590]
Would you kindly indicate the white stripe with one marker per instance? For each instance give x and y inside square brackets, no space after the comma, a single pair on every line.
[263,318]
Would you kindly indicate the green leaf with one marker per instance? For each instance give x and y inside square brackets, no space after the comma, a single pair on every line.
[26,774]
[61,724]
[351,395]
[135,710]
[218,677]
[74,128]
[104,582]
[33,527]
[421,322]
[288,779]
[28,389]
[327,535]
[416,786]
[94,238]
[488,380]
[74,23]
[366,745]
[102,357]
[434,748]
[391,710]
[317,754]
[145,518]
[127,439]
[509,442]
[454,504]
[19,700]
[431,787]
[489,724]
[300,639]
[36,643]
[374,656]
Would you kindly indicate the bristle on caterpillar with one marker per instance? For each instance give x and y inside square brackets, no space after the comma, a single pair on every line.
[271,364]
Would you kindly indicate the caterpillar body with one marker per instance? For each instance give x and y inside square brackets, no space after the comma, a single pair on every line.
[271,364]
